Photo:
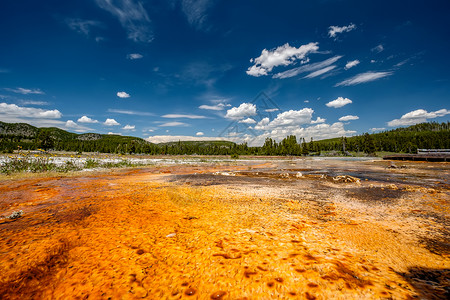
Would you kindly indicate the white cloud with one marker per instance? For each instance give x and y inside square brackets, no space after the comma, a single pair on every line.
[199,133]
[132,16]
[86,119]
[114,133]
[417,116]
[334,30]
[173,124]
[284,120]
[71,125]
[244,110]
[134,56]
[25,91]
[348,118]
[339,102]
[130,112]
[195,11]
[377,49]
[111,122]
[123,95]
[129,127]
[351,64]
[318,121]
[82,26]
[28,112]
[176,116]
[364,77]
[282,56]
[33,102]
[377,129]
[220,106]
[307,68]
[271,110]
[248,121]
[175,138]
[320,72]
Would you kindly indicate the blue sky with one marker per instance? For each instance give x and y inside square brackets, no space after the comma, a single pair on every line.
[237,70]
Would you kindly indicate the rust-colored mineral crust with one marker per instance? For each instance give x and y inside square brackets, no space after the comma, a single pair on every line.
[193,232]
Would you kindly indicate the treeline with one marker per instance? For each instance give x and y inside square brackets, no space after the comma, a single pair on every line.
[407,140]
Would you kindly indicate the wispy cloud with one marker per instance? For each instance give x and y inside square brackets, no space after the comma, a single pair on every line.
[173,124]
[132,16]
[281,56]
[379,48]
[339,102]
[334,30]
[25,91]
[176,116]
[83,26]
[351,64]
[130,112]
[196,12]
[217,107]
[417,116]
[320,72]
[364,77]
[307,68]
[33,102]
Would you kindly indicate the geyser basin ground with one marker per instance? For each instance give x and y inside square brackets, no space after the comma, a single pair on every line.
[255,229]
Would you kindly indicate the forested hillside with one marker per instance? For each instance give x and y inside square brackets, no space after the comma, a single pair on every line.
[407,140]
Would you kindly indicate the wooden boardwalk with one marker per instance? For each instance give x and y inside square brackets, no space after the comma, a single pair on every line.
[419,157]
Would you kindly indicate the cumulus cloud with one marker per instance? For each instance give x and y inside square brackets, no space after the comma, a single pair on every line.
[173,124]
[28,112]
[134,56]
[348,118]
[318,121]
[307,68]
[364,77]
[334,30]
[244,110]
[282,56]
[220,106]
[176,116]
[71,125]
[377,49]
[132,16]
[351,64]
[111,122]
[129,127]
[199,133]
[248,121]
[25,91]
[86,119]
[123,95]
[320,72]
[339,102]
[286,119]
[417,116]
